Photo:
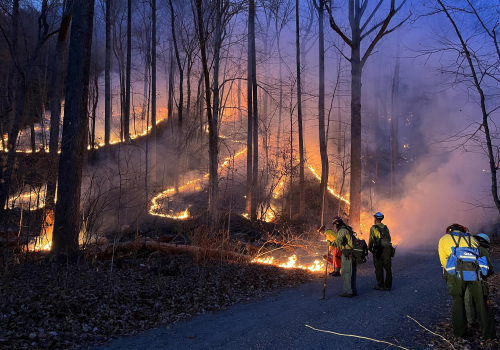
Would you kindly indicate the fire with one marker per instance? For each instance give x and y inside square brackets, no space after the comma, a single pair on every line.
[190,185]
[44,241]
[33,199]
[331,190]
[290,264]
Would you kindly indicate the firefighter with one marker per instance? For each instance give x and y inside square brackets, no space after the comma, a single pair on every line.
[458,236]
[334,253]
[344,242]
[380,246]
[470,307]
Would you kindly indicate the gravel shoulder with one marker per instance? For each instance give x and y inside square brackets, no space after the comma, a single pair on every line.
[281,321]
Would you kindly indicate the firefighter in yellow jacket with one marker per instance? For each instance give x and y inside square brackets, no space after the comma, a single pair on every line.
[344,241]
[458,236]
[334,253]
[381,247]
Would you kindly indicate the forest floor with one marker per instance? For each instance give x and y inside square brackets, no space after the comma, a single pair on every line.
[49,306]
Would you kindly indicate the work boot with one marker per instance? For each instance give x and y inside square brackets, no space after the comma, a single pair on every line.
[335,273]
[346,295]
[377,287]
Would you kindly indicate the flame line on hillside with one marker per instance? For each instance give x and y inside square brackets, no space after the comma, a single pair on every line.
[171,191]
[330,189]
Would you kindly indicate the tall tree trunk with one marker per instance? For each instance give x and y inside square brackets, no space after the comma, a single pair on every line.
[107,77]
[170,93]
[32,137]
[212,130]
[73,145]
[214,123]
[153,91]
[321,108]
[55,105]
[255,119]
[394,124]
[251,37]
[179,66]
[355,183]
[126,116]
[299,113]
[147,66]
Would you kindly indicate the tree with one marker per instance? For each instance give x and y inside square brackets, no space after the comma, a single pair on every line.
[126,115]
[213,144]
[107,77]
[299,112]
[480,71]
[323,149]
[253,118]
[361,28]
[73,144]
[179,64]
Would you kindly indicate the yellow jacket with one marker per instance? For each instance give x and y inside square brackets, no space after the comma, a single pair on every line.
[446,242]
[343,240]
[330,235]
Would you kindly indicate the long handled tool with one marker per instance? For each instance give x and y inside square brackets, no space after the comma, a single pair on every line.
[320,229]
[326,272]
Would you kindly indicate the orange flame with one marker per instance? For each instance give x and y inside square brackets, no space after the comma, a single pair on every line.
[291,263]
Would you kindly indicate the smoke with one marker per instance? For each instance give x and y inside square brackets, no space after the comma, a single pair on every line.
[449,184]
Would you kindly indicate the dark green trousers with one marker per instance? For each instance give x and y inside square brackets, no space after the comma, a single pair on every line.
[382,262]
[456,288]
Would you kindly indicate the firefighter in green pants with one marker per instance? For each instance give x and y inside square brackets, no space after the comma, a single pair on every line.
[344,242]
[470,307]
[457,286]
[381,248]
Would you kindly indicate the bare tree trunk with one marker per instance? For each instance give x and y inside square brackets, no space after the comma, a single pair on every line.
[394,124]
[107,78]
[32,137]
[55,106]
[321,107]
[147,66]
[153,90]
[179,65]
[126,115]
[73,149]
[299,113]
[251,31]
[255,119]
[212,131]
[170,102]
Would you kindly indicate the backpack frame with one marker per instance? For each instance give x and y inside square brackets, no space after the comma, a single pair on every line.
[466,262]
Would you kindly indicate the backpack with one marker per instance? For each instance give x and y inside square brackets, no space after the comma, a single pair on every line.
[385,239]
[466,262]
[359,248]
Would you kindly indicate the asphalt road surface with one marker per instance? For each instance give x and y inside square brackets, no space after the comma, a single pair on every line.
[281,322]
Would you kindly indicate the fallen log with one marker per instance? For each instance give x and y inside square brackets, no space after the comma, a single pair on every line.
[105,252]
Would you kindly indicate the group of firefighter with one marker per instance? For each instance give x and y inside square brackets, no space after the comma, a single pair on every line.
[470,306]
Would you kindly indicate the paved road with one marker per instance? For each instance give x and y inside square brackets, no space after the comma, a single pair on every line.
[279,322]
